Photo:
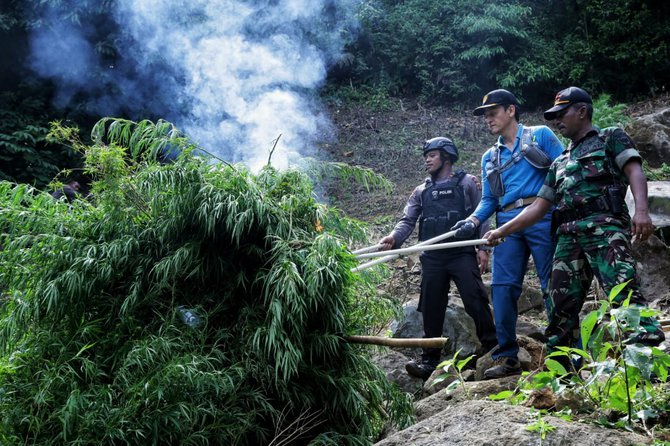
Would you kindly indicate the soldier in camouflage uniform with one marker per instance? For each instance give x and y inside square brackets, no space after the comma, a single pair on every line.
[588,184]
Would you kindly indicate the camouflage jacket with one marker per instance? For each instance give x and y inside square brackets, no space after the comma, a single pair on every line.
[582,174]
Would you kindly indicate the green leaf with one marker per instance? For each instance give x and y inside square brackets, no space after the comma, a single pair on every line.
[639,357]
[627,317]
[646,414]
[587,326]
[616,290]
[505,394]
[463,362]
[555,366]
[580,352]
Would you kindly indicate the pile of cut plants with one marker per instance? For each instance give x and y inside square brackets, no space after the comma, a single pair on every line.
[185,302]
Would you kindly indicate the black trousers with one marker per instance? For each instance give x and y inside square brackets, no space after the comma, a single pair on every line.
[437,272]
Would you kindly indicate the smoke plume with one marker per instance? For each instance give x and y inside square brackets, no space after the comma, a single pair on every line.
[234,75]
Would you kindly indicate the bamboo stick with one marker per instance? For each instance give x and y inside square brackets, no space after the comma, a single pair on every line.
[386,258]
[417,248]
[398,342]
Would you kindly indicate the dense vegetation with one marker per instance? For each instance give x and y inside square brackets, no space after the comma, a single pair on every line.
[625,384]
[189,303]
[27,155]
[454,50]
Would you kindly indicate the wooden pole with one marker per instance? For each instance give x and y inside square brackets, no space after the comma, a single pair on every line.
[398,342]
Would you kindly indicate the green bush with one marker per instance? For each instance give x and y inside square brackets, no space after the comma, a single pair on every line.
[97,348]
[614,378]
[606,115]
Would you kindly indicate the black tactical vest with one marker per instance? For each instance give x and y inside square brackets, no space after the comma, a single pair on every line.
[442,206]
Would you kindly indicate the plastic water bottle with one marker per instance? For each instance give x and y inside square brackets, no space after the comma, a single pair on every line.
[189,317]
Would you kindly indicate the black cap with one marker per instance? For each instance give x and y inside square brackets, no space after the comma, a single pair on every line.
[565,98]
[495,98]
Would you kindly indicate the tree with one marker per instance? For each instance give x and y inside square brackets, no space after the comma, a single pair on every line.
[455,50]
[437,49]
[27,155]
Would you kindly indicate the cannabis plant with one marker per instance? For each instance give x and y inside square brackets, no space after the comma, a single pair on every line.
[188,302]
[621,382]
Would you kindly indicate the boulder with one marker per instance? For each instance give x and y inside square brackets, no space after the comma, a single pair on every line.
[659,203]
[653,264]
[651,134]
[535,350]
[439,401]
[393,365]
[653,256]
[481,422]
[458,327]
[529,327]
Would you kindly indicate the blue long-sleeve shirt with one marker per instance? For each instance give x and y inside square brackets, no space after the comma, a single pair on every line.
[522,180]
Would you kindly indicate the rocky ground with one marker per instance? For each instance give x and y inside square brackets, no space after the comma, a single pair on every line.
[389,142]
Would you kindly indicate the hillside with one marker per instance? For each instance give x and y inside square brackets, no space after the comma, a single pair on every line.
[388,137]
[389,142]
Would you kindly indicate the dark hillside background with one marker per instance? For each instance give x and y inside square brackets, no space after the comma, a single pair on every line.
[77,61]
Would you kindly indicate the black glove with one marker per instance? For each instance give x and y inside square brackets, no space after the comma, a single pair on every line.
[465,229]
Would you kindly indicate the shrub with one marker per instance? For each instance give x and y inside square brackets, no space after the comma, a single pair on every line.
[612,376]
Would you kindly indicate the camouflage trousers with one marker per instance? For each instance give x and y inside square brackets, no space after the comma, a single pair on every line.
[578,257]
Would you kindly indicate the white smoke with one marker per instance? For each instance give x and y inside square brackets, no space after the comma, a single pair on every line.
[234,75]
[64,56]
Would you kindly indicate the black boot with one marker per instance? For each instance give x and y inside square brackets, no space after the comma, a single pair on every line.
[422,369]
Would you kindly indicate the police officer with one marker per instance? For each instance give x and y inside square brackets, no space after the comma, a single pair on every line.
[69,190]
[588,184]
[513,171]
[442,200]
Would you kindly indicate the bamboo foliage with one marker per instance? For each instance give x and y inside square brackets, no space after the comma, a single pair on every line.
[95,350]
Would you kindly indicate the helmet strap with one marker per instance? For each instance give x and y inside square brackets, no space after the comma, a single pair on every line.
[444,157]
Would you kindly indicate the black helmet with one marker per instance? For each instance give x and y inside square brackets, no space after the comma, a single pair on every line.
[444,144]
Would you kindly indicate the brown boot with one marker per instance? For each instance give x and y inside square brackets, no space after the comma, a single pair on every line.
[503,367]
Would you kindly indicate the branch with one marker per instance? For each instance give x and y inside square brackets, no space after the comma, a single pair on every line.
[274,146]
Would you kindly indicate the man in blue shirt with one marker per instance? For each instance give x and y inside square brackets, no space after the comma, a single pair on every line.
[513,171]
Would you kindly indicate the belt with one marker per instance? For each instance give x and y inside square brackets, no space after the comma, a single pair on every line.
[521,202]
[599,205]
